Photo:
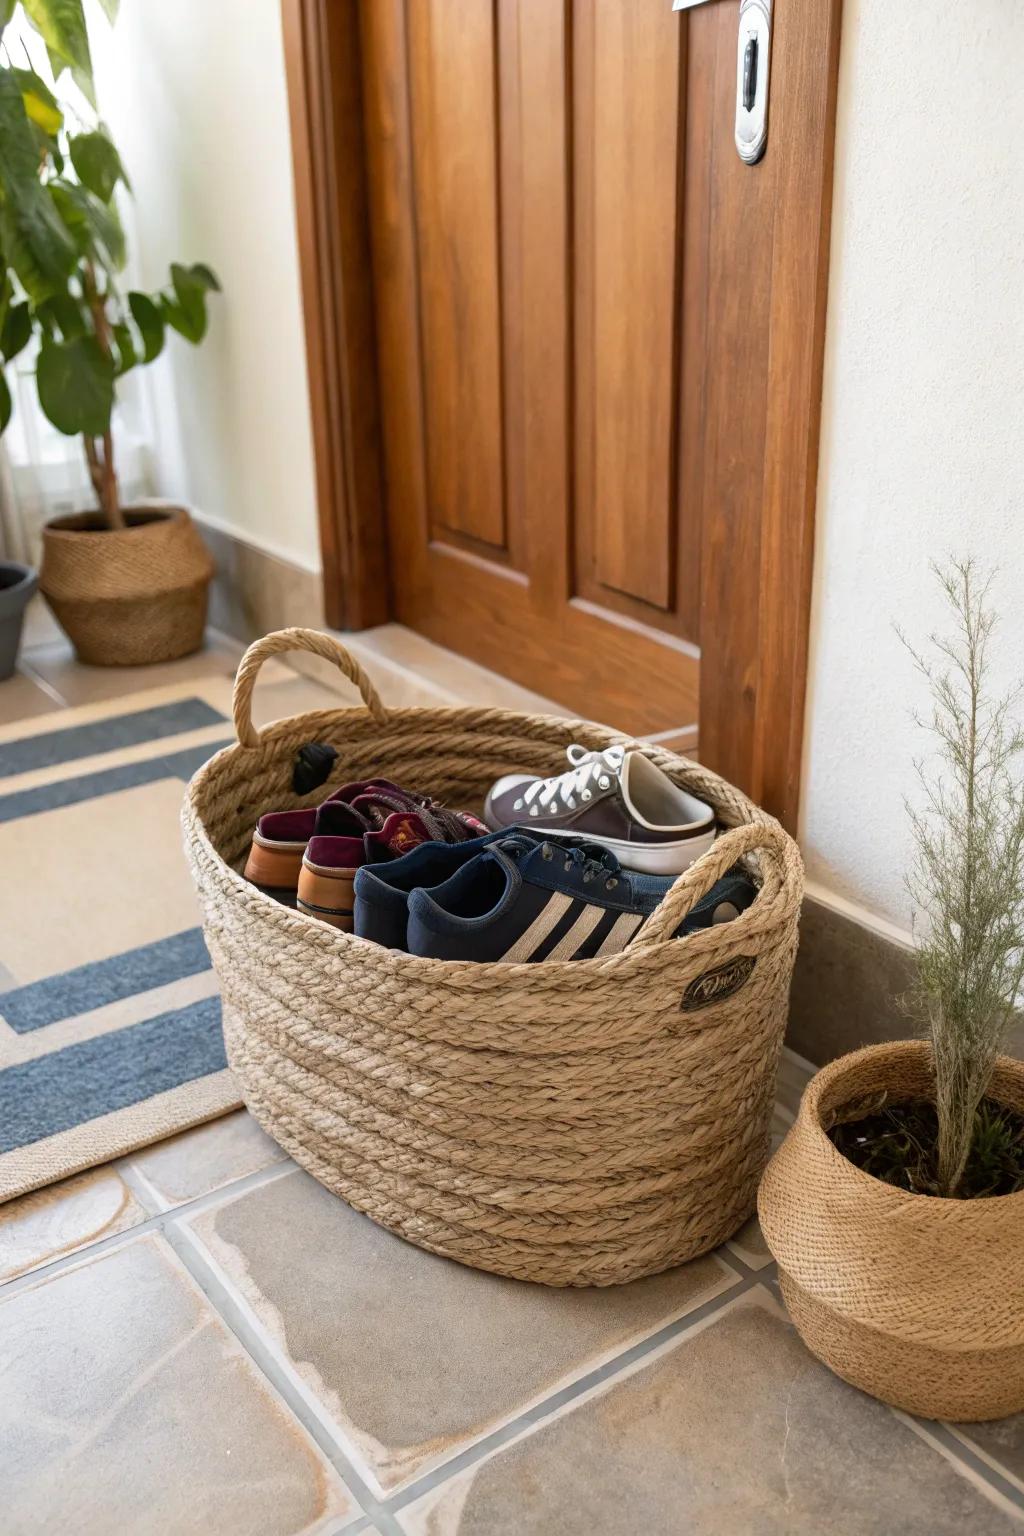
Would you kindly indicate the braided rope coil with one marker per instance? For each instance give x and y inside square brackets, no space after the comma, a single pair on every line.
[575,1123]
[918,1300]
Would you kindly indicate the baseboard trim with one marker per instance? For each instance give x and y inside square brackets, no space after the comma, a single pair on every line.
[255,590]
[217,526]
[849,978]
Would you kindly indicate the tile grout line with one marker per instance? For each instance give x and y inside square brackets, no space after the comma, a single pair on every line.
[962,1456]
[962,1438]
[239,1316]
[565,1397]
[960,1453]
[234,1313]
[154,1222]
[999,1488]
[28,670]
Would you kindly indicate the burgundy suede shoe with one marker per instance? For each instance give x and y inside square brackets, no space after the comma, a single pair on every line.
[280,839]
[330,862]
[280,842]
[618,798]
[275,859]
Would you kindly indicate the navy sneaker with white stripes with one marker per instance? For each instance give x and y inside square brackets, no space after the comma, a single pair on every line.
[526,900]
[382,890]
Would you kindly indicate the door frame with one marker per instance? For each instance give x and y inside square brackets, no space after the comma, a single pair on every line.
[769,669]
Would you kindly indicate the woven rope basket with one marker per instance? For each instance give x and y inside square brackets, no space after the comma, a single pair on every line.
[128,596]
[917,1300]
[575,1123]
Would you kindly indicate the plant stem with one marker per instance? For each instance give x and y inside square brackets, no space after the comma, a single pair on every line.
[101,467]
[95,468]
[955,1101]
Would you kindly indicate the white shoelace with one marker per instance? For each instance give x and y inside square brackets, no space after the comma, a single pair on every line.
[559,793]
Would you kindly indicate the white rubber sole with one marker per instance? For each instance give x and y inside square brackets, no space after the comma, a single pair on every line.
[659,858]
[646,858]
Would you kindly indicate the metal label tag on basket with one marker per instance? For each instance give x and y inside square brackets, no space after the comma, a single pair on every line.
[712,986]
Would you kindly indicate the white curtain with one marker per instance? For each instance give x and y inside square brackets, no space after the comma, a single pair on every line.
[43,473]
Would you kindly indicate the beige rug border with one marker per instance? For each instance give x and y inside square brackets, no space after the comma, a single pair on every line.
[117,1134]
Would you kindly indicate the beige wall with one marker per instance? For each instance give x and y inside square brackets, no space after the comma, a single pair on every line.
[923,412]
[194,92]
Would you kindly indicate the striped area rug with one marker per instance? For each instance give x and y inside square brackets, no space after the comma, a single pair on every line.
[110,1033]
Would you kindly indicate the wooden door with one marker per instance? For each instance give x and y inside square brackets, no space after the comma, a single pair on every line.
[598,350]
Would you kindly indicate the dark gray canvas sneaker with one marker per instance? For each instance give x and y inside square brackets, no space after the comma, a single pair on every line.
[617,798]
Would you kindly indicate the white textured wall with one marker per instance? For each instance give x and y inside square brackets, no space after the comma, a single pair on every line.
[194,92]
[923,416]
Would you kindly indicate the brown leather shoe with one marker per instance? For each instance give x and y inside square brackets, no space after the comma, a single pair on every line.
[329,864]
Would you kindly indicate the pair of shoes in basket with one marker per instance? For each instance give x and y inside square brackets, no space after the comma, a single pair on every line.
[520,896]
[618,798]
[309,858]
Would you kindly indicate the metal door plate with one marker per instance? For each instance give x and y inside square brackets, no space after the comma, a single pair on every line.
[753,63]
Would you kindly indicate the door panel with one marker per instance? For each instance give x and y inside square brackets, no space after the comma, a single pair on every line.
[576,348]
[527,185]
[627,166]
[455,183]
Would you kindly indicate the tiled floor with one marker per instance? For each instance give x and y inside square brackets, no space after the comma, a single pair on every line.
[201,1339]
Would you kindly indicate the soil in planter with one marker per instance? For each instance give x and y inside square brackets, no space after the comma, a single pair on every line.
[896,1143]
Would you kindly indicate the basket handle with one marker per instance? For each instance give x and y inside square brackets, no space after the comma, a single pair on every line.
[695,883]
[295,640]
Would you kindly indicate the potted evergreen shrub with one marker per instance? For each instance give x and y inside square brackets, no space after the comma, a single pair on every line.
[895,1205]
[128,584]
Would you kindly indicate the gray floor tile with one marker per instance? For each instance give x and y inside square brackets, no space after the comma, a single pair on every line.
[22,697]
[78,684]
[206,1158]
[735,1429]
[1001,1441]
[412,1355]
[750,1245]
[126,1406]
[58,1220]
[40,624]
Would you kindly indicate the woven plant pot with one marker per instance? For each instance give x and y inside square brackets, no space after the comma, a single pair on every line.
[127,596]
[576,1123]
[917,1300]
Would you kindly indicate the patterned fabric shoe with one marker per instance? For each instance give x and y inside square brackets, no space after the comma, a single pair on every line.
[528,901]
[618,798]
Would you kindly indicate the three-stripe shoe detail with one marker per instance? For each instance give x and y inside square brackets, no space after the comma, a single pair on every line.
[567,928]
[524,899]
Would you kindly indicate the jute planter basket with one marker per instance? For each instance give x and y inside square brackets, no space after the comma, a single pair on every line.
[917,1300]
[128,596]
[572,1123]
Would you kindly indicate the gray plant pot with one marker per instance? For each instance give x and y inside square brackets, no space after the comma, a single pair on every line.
[17,585]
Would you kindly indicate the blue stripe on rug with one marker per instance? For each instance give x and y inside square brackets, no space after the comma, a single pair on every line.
[89,786]
[104,981]
[54,1093]
[78,741]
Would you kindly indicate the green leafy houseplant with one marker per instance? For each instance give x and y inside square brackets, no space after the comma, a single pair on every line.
[62,250]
